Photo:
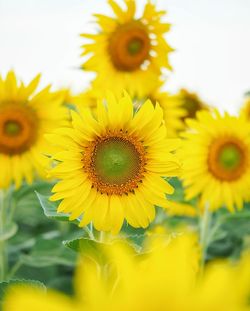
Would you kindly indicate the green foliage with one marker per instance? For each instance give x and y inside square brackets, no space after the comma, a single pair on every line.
[36,251]
[9,231]
[43,244]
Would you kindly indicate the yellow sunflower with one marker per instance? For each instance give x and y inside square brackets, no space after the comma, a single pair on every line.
[132,50]
[191,103]
[24,119]
[216,158]
[111,166]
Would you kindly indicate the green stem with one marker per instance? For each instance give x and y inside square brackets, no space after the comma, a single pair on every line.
[3,252]
[89,230]
[204,235]
[14,269]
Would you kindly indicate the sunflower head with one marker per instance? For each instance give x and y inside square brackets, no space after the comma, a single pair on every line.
[113,164]
[133,49]
[216,159]
[24,118]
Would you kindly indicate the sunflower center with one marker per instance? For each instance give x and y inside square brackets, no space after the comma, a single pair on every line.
[115,163]
[12,128]
[227,158]
[134,46]
[18,128]
[129,46]
[230,157]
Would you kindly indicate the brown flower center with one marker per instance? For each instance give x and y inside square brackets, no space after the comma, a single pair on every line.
[115,163]
[227,158]
[129,46]
[18,128]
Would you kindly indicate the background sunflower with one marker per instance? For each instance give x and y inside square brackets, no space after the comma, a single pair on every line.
[24,119]
[132,50]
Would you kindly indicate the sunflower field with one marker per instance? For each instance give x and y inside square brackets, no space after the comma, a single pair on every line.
[123,196]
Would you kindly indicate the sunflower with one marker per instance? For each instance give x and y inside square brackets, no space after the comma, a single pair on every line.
[24,119]
[111,166]
[216,157]
[191,103]
[131,50]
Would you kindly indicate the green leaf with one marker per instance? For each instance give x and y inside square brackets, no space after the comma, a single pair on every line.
[9,231]
[50,209]
[87,247]
[6,286]
[48,252]
[27,190]
[97,250]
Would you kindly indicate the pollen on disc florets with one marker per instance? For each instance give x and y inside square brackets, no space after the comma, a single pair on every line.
[227,158]
[129,46]
[18,128]
[115,163]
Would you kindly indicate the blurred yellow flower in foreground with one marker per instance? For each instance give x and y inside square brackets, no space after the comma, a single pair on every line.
[111,167]
[128,52]
[166,277]
[216,160]
[25,116]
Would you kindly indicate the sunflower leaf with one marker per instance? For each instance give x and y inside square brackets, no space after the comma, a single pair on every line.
[9,231]
[50,209]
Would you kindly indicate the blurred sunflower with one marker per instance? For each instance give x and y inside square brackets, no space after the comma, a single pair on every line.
[24,119]
[131,50]
[112,165]
[181,209]
[165,278]
[191,103]
[216,155]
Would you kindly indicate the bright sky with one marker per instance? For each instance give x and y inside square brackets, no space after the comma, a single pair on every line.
[211,38]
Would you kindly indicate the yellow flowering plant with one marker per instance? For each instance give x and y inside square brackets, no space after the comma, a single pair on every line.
[142,192]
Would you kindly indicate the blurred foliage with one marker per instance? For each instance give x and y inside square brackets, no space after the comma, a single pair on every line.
[46,245]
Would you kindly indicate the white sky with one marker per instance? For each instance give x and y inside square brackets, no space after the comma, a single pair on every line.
[211,37]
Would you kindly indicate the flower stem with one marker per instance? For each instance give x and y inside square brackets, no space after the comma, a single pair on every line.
[204,235]
[3,252]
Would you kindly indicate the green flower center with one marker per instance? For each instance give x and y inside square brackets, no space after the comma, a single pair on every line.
[116,161]
[230,157]
[135,46]
[12,128]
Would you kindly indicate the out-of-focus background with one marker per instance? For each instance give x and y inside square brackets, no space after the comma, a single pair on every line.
[211,38]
